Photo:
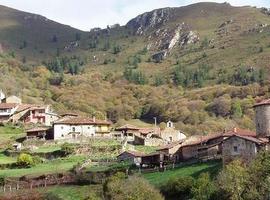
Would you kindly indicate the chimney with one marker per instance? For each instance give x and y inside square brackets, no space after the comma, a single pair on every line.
[235,130]
[94,119]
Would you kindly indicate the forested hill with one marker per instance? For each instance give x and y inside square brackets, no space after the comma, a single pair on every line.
[202,66]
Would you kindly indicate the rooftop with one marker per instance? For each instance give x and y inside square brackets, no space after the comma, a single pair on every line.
[8,105]
[83,121]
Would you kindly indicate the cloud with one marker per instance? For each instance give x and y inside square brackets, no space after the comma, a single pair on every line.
[86,14]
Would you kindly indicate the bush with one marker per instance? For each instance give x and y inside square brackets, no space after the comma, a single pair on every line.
[25,160]
[119,188]
[67,149]
[179,187]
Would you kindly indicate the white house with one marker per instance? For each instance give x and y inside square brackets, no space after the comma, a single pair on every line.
[171,134]
[7,110]
[72,128]
[2,96]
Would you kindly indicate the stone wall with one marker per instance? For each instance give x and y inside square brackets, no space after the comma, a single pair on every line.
[262,120]
[238,148]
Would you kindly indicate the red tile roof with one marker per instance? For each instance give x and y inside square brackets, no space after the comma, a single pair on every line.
[8,105]
[83,121]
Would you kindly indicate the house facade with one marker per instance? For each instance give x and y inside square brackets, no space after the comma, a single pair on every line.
[131,156]
[171,134]
[35,114]
[7,110]
[242,147]
[73,128]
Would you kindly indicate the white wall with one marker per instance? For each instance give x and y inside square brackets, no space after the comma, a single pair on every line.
[61,131]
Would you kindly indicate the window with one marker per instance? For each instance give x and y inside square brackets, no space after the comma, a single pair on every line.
[62,127]
[235,149]
[170,138]
[88,127]
[73,129]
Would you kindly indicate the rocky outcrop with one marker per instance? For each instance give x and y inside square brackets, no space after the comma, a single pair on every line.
[164,40]
[149,20]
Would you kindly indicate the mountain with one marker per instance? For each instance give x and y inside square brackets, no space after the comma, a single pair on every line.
[202,65]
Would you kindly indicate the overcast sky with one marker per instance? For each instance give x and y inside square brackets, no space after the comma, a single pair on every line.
[86,14]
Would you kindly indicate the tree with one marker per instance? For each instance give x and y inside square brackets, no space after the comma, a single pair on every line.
[237,109]
[132,188]
[203,187]
[67,148]
[25,160]
[233,179]
[259,173]
[178,187]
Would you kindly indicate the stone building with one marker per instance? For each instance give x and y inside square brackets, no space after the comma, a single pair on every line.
[242,147]
[171,134]
[262,118]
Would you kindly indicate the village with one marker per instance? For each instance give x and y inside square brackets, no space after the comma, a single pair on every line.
[171,145]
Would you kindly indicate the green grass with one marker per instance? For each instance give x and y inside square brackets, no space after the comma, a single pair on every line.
[194,170]
[47,149]
[6,159]
[72,192]
[54,166]
[10,134]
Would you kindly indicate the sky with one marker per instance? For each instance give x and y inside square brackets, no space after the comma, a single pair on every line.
[87,14]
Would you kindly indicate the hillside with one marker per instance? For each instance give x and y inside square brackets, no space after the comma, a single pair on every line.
[202,66]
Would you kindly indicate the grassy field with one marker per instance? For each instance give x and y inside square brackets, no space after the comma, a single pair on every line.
[55,166]
[9,134]
[159,178]
[47,149]
[6,159]
[72,192]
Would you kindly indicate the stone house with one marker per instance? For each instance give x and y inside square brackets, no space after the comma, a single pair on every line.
[171,134]
[155,159]
[172,150]
[242,147]
[39,133]
[72,128]
[131,156]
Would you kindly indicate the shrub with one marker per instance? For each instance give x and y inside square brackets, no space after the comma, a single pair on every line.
[25,160]
[178,187]
[118,188]
[67,149]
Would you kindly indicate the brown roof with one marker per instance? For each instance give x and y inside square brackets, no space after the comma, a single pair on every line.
[134,153]
[8,105]
[258,141]
[263,102]
[127,127]
[36,129]
[145,131]
[241,132]
[30,107]
[83,121]
[171,145]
